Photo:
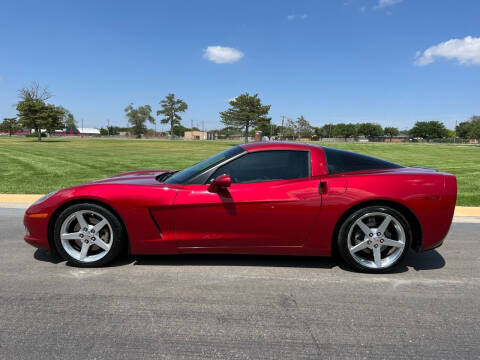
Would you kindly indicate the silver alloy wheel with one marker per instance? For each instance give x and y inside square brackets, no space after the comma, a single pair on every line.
[86,236]
[377,243]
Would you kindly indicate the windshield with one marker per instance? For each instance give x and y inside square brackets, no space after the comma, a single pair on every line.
[188,173]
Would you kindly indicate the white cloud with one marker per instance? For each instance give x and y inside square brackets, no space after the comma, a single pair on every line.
[465,51]
[295,16]
[385,3]
[222,54]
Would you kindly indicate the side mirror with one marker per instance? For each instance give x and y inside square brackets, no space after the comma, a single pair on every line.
[221,182]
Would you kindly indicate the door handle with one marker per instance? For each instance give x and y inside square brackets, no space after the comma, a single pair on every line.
[333,187]
[323,187]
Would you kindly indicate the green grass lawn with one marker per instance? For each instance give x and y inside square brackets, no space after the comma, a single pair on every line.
[35,168]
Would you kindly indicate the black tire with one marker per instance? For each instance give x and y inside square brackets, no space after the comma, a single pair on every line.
[117,237]
[348,226]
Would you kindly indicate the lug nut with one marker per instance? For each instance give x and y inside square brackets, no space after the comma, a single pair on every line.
[378,234]
[86,241]
[81,235]
[85,229]
[369,242]
[381,240]
[93,239]
[370,234]
[376,245]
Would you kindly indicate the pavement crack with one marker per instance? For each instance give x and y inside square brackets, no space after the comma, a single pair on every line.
[290,307]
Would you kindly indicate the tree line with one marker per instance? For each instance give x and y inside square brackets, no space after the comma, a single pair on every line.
[246,114]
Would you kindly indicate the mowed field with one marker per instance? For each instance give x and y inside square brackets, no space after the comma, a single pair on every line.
[30,167]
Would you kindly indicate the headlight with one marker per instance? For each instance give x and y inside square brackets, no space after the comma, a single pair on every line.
[44,197]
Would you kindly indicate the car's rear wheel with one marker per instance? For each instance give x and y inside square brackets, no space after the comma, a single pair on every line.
[88,235]
[374,239]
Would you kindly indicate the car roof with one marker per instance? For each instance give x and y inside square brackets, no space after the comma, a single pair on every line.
[278,145]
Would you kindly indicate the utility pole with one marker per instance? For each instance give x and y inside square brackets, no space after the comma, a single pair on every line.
[191,124]
[203,125]
[83,130]
[455,132]
[283,128]
[108,127]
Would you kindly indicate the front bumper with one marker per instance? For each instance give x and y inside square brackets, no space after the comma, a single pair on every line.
[36,229]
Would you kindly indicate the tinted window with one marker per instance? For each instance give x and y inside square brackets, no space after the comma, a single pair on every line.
[198,168]
[266,166]
[339,161]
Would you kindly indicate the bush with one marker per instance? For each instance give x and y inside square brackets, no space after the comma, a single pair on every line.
[35,135]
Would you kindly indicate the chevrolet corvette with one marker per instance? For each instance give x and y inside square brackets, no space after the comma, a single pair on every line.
[259,198]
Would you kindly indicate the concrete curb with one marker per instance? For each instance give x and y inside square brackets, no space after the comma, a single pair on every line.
[467,211]
[19,198]
[29,199]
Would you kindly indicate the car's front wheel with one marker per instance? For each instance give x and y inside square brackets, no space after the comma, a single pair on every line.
[374,239]
[88,235]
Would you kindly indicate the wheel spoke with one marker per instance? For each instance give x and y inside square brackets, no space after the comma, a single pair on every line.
[394,243]
[366,230]
[81,220]
[377,256]
[359,247]
[84,251]
[101,244]
[383,226]
[100,225]
[70,236]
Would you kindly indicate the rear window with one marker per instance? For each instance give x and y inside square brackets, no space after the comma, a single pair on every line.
[339,161]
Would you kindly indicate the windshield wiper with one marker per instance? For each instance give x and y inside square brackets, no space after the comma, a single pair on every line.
[165,176]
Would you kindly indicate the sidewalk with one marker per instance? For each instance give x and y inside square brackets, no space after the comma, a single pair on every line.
[463,214]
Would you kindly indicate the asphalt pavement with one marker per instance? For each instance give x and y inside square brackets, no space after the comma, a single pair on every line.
[238,307]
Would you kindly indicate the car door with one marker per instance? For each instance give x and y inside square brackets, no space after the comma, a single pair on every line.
[272,201]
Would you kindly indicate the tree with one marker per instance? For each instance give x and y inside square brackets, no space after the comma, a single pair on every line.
[138,117]
[391,131]
[265,127]
[170,109]
[179,130]
[326,131]
[469,129]
[53,117]
[246,112]
[429,130]
[10,125]
[304,129]
[113,130]
[291,128]
[32,111]
[369,130]
[70,122]
[345,130]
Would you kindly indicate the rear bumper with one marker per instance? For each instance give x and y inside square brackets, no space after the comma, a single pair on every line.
[437,220]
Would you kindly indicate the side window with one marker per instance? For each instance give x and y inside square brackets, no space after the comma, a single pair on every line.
[268,165]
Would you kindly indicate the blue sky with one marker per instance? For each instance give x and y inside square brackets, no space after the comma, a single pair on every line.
[332,61]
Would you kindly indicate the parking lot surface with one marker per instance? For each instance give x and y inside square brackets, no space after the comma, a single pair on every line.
[238,307]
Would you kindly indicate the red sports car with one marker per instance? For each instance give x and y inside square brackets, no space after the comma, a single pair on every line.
[258,198]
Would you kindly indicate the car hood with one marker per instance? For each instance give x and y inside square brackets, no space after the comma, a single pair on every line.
[140,177]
